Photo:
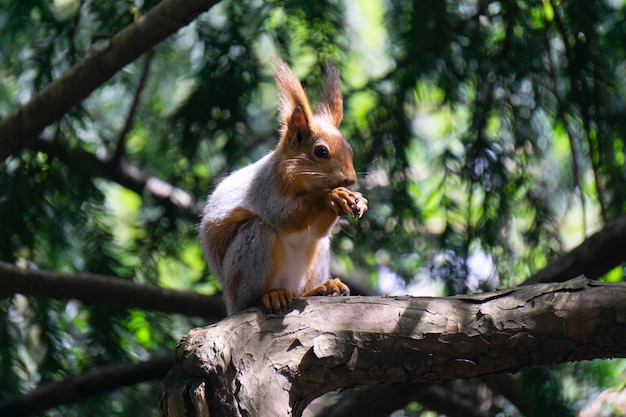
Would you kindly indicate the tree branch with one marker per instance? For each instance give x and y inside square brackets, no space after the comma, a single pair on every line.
[596,256]
[382,400]
[116,292]
[123,173]
[73,389]
[587,259]
[102,62]
[258,365]
[583,258]
[12,279]
[606,242]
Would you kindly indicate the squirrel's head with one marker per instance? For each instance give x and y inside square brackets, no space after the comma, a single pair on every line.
[313,154]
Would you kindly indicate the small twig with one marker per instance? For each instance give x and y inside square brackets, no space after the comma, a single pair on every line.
[121,138]
[576,86]
[561,115]
[72,33]
[481,141]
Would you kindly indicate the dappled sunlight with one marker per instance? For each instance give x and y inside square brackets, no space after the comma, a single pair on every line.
[488,137]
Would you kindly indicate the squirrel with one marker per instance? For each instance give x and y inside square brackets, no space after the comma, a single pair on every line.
[266,228]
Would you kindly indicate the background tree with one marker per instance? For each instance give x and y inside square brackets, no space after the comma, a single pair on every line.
[489,137]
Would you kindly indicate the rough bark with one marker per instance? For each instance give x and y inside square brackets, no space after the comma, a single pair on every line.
[116,292]
[102,62]
[254,364]
[597,255]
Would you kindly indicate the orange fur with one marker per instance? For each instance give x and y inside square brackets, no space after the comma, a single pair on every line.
[278,262]
[232,285]
[221,233]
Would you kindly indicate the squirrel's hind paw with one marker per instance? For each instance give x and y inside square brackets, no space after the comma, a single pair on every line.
[276,300]
[331,287]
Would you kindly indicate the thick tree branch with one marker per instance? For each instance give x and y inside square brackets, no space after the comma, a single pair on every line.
[12,279]
[73,389]
[116,292]
[257,364]
[102,62]
[583,258]
[596,256]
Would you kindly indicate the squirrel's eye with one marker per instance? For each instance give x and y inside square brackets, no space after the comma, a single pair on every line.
[321,152]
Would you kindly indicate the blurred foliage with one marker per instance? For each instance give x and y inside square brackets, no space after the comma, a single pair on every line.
[544,394]
[488,136]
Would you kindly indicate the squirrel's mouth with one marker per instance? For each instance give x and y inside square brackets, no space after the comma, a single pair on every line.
[342,182]
[332,186]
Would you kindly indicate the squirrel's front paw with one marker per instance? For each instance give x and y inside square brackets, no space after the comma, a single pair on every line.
[344,202]
[331,287]
[276,300]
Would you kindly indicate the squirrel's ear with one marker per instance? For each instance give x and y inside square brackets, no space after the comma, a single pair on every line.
[333,100]
[295,110]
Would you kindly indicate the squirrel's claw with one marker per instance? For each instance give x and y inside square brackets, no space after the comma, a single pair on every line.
[276,300]
[361,205]
[330,287]
[344,202]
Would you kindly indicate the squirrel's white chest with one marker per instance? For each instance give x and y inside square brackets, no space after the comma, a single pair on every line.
[300,255]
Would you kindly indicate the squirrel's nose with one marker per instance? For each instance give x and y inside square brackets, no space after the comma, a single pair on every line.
[349,179]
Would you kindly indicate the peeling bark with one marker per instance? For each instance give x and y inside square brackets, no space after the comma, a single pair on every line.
[255,364]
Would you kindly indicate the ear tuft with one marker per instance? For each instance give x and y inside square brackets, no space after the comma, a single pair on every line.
[295,110]
[333,99]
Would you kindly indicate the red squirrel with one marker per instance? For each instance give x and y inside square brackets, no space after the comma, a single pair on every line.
[266,228]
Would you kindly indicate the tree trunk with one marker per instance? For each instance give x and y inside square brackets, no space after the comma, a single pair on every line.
[257,364]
